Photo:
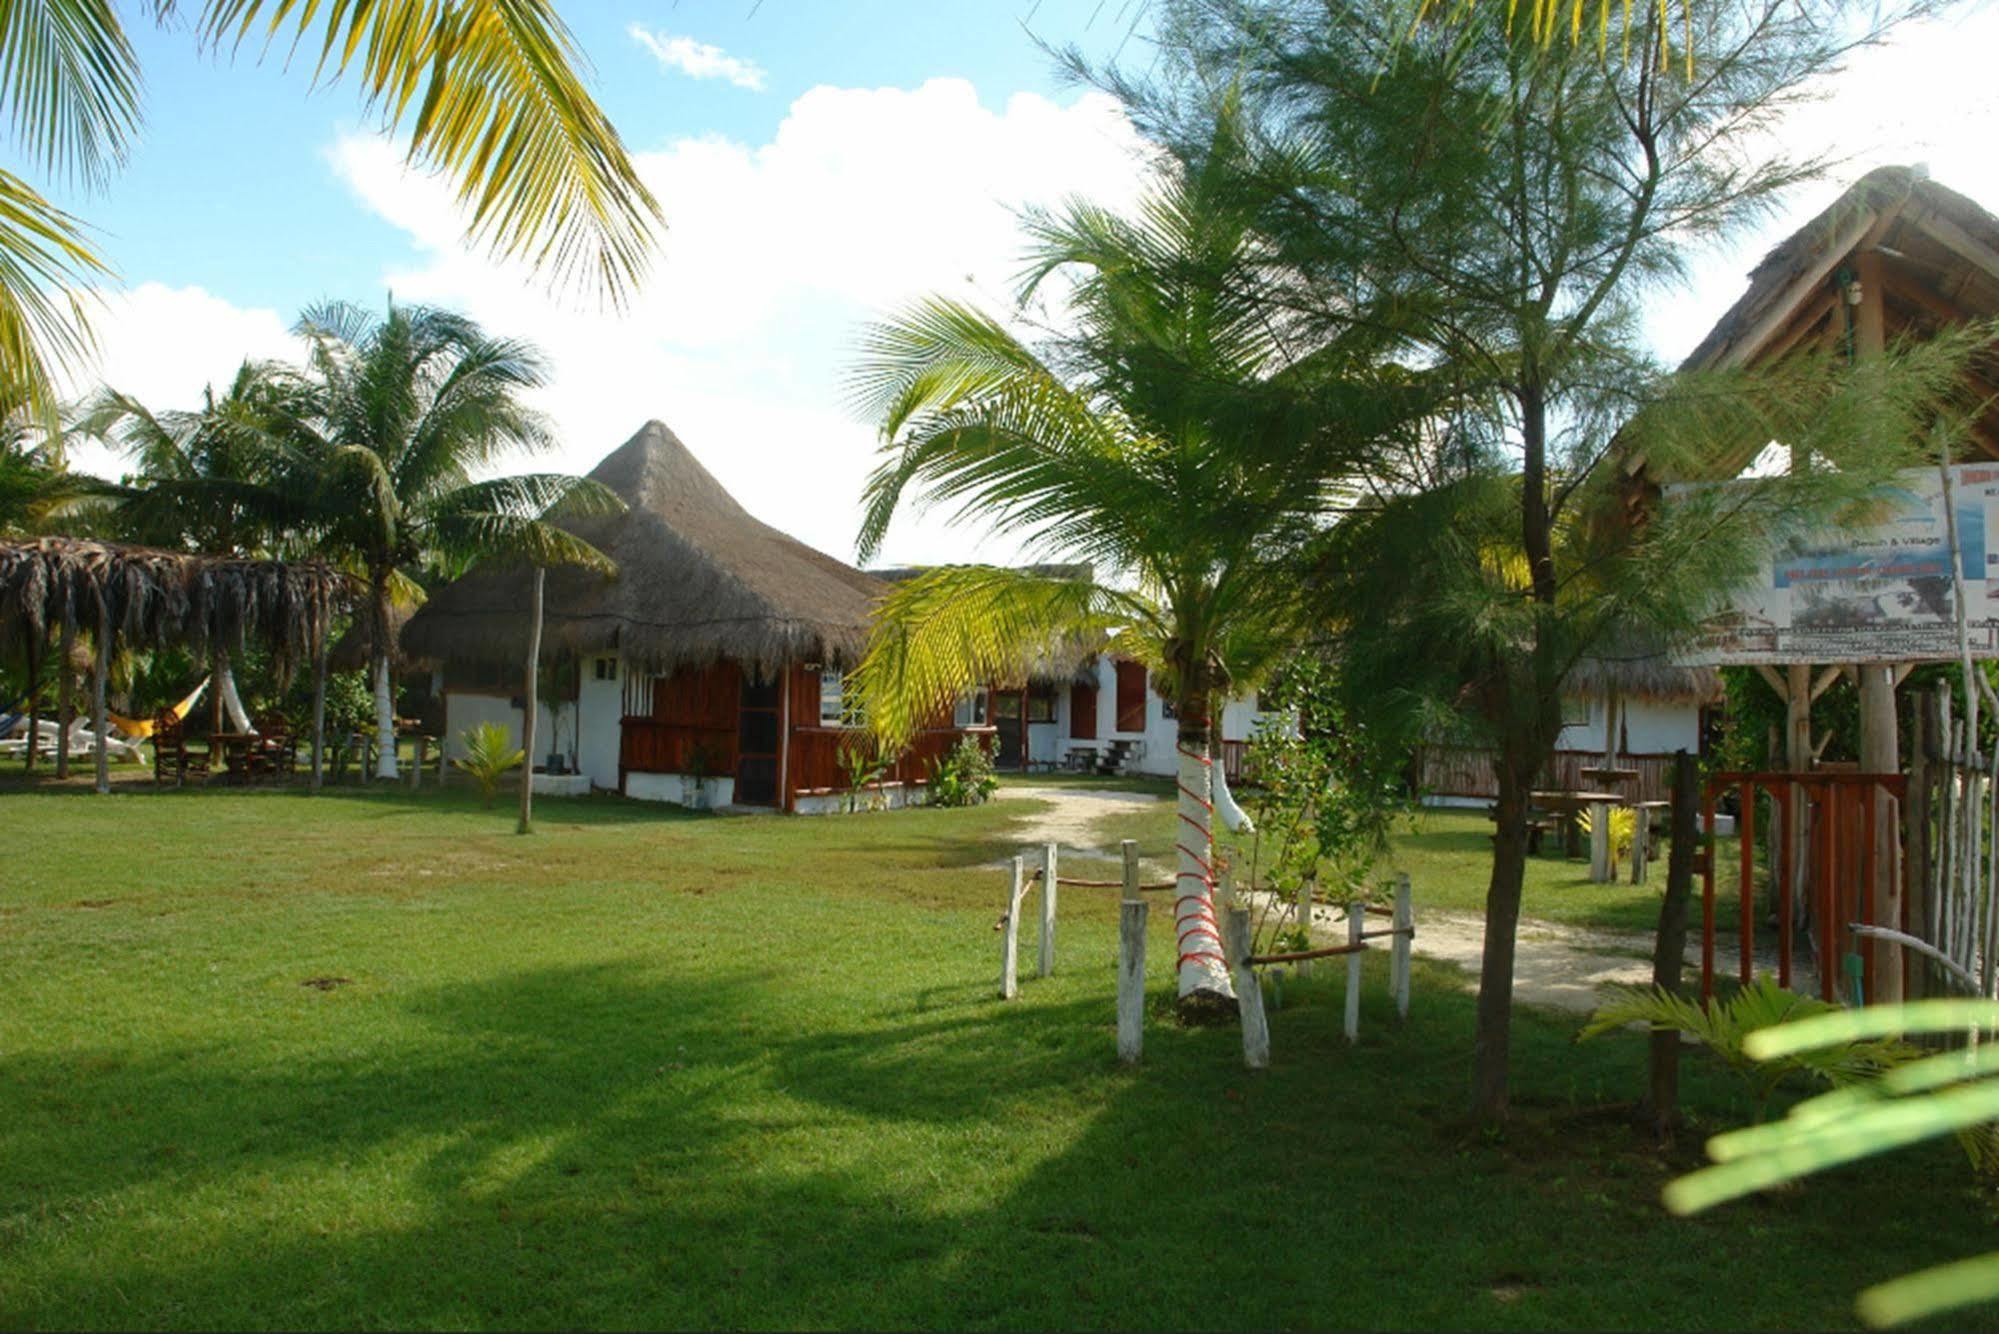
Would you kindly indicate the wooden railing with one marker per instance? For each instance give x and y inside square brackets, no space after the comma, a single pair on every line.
[816,755]
[1466,771]
[646,745]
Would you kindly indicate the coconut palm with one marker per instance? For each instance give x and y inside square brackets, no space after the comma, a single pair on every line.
[488,94]
[211,479]
[411,403]
[1180,440]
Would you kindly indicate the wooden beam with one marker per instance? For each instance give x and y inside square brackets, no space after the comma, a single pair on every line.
[1780,311]
[1770,674]
[1825,680]
[1962,244]
[1803,325]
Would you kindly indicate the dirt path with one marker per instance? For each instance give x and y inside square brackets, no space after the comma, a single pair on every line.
[1556,967]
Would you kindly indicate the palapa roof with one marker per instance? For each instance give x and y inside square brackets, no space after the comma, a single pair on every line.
[1644,672]
[158,597]
[1933,253]
[354,649]
[699,579]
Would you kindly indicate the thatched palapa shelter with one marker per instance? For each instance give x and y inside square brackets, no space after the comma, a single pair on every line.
[154,597]
[708,669]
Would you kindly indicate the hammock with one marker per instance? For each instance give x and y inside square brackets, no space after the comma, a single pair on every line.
[141,729]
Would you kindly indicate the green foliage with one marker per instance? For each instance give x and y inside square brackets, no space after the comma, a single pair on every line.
[1331,791]
[1951,1093]
[490,753]
[1724,1027]
[964,776]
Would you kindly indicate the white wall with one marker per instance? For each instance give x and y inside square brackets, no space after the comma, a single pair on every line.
[602,704]
[1654,727]
[1160,734]
[464,710]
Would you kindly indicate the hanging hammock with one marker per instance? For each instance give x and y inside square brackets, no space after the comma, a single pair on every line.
[141,729]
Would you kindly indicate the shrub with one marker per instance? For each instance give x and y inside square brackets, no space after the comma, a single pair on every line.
[489,752]
[964,777]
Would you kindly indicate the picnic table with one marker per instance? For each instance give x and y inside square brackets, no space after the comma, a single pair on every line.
[1569,804]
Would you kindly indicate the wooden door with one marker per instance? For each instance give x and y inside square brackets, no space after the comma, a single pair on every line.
[1009,718]
[759,734]
[1082,712]
[1130,697]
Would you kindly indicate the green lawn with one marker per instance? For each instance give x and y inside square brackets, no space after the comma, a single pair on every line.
[372,1060]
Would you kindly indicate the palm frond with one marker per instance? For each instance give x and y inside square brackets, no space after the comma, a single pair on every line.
[46,263]
[69,80]
[491,95]
[958,627]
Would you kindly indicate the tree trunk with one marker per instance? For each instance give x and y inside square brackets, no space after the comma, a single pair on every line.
[528,700]
[319,709]
[1660,1109]
[385,702]
[65,693]
[1205,988]
[1490,1047]
[97,719]
[34,701]
[1233,817]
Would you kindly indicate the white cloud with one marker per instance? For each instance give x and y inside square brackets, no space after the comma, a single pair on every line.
[698,60]
[163,345]
[776,255]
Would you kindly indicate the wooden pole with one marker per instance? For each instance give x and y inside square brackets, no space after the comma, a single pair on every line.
[97,691]
[528,702]
[1049,855]
[1405,927]
[1010,933]
[35,643]
[319,708]
[1661,1105]
[1131,979]
[1356,924]
[1249,993]
[1880,753]
[65,692]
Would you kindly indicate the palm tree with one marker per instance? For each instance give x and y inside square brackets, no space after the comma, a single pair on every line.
[211,479]
[488,93]
[411,402]
[1180,439]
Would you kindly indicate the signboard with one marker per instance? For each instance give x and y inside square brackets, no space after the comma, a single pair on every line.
[1881,593]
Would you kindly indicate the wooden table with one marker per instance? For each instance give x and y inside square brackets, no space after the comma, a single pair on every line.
[234,748]
[1641,836]
[1599,804]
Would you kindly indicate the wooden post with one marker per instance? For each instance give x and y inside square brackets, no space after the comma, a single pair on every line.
[1128,848]
[34,645]
[1131,980]
[1047,942]
[65,691]
[1010,942]
[1880,753]
[1641,841]
[97,691]
[1669,951]
[1405,925]
[1356,926]
[528,702]
[1249,993]
[319,707]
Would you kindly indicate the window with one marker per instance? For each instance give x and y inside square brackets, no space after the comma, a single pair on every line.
[606,669]
[1575,710]
[832,710]
[971,710]
[1041,705]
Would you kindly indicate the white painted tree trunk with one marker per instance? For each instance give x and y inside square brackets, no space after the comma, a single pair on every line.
[385,720]
[1201,967]
[232,702]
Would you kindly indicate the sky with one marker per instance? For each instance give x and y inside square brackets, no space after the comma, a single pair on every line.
[820,165]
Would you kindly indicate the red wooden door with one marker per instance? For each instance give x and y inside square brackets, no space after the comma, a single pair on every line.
[1130,697]
[1082,712]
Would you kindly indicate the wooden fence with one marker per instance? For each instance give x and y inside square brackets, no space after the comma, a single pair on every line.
[1466,771]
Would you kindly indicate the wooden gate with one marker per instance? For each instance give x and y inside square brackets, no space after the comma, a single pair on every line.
[1839,875]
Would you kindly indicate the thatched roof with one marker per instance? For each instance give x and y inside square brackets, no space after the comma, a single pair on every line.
[157,597]
[354,649]
[1069,660]
[699,580]
[1635,670]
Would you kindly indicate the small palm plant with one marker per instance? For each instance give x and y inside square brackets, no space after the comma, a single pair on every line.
[489,753]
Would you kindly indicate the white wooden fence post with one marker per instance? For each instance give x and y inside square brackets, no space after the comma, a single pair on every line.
[1047,942]
[1356,924]
[1010,944]
[1405,927]
[1131,963]
[1249,993]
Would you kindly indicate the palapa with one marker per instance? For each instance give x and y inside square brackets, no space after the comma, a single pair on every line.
[699,580]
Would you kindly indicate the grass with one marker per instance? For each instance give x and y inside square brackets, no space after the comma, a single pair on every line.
[370,1059]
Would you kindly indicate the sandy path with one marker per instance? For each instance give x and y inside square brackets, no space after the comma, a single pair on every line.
[1556,967]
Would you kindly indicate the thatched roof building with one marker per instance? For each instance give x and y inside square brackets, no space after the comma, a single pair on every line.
[700,581]
[1642,673]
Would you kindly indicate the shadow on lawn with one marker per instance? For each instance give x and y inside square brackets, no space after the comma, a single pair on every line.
[598,1145]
